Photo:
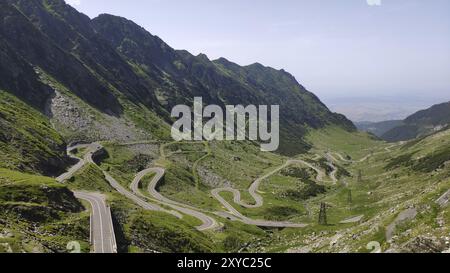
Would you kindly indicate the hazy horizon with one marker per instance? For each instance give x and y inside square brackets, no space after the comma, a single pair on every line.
[335,49]
[381,108]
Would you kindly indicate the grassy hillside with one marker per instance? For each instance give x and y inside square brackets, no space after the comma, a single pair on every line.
[385,185]
[39,215]
[28,143]
[355,145]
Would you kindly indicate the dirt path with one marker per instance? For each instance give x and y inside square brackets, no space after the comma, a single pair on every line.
[355,219]
[408,214]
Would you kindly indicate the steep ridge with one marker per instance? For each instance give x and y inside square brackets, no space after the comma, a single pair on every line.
[220,82]
[35,47]
[110,62]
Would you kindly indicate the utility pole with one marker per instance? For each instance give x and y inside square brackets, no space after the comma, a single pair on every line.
[370,157]
[359,176]
[349,197]
[323,214]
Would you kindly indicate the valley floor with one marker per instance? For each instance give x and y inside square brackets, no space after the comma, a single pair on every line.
[350,193]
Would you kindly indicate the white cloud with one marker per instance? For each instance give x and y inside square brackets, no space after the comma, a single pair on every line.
[74,2]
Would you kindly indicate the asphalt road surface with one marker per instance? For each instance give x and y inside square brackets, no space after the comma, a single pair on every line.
[92,148]
[236,215]
[259,201]
[102,231]
[207,221]
[136,199]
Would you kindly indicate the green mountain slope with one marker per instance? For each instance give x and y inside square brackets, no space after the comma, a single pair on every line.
[117,68]
[219,82]
[396,187]
[28,142]
[22,32]
[39,215]
[421,123]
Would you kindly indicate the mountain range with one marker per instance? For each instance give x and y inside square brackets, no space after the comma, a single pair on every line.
[420,124]
[116,68]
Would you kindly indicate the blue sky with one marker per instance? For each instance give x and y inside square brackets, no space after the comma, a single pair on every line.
[336,48]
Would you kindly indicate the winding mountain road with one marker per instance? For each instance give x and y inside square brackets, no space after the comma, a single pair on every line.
[207,221]
[259,201]
[320,174]
[88,158]
[386,149]
[91,150]
[350,161]
[239,216]
[333,167]
[136,199]
[102,231]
